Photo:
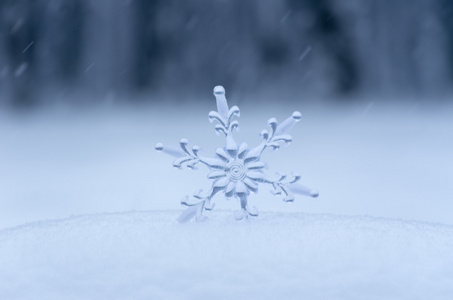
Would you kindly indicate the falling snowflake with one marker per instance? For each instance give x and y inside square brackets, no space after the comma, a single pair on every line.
[236,170]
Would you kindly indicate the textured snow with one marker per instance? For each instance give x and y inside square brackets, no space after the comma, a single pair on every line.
[145,255]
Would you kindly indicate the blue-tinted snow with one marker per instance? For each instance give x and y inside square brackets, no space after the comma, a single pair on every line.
[145,255]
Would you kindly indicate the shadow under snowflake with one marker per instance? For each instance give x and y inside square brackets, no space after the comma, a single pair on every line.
[236,170]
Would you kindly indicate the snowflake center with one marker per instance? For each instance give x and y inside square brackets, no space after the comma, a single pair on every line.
[236,171]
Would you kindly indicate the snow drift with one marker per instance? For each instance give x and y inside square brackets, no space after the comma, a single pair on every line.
[146,255]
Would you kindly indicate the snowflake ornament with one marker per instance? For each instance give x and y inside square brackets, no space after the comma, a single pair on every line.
[236,170]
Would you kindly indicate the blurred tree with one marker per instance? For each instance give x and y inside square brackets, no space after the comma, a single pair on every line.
[148,46]
[327,33]
[62,29]
[20,31]
[446,13]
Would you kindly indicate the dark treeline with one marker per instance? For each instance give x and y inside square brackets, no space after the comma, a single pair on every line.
[52,49]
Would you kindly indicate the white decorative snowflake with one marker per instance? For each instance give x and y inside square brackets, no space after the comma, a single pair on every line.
[236,170]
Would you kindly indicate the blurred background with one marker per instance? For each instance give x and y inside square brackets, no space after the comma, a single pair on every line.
[128,50]
[87,87]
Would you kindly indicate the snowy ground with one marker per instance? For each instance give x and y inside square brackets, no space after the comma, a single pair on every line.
[144,255]
[377,160]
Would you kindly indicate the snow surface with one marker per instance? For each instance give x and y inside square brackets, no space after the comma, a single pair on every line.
[145,255]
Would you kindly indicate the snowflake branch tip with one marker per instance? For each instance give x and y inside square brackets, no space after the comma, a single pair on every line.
[159,147]
[222,104]
[286,125]
[303,190]
[169,150]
